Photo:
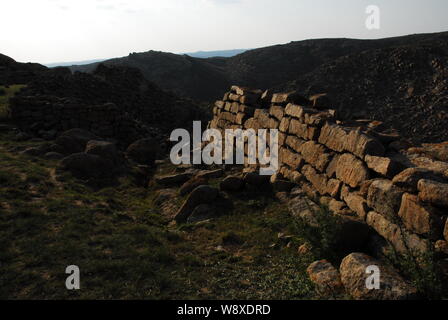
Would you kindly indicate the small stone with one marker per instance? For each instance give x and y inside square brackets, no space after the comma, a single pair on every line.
[325,277]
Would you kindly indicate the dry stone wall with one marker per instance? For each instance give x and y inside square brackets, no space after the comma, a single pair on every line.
[355,168]
[48,116]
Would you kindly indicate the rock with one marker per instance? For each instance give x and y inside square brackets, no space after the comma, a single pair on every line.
[325,277]
[384,166]
[357,204]
[333,136]
[192,184]
[201,212]
[437,151]
[143,151]
[303,130]
[420,218]
[232,183]
[173,179]
[293,97]
[211,174]
[441,246]
[85,166]
[304,249]
[339,207]
[354,276]
[74,140]
[304,208]
[200,195]
[104,149]
[384,197]
[401,240]
[409,178]
[426,163]
[316,155]
[351,170]
[32,151]
[361,145]
[334,187]
[291,158]
[319,181]
[433,192]
[277,112]
[332,166]
[53,156]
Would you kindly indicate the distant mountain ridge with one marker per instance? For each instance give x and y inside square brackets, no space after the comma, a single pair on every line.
[72,63]
[269,67]
[218,53]
[197,54]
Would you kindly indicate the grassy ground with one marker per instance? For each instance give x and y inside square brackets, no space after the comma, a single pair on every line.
[5,94]
[126,249]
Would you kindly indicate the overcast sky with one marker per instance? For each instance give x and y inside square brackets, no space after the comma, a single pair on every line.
[70,30]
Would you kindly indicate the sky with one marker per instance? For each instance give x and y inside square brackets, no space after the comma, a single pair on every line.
[47,31]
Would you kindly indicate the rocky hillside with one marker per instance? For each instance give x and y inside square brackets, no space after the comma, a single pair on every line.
[401,81]
[113,101]
[12,72]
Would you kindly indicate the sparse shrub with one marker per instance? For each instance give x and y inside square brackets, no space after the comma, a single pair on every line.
[2,91]
[420,268]
[324,238]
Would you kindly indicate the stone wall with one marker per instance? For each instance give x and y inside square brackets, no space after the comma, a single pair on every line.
[357,169]
[47,116]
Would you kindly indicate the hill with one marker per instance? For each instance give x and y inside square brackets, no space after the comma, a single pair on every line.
[393,79]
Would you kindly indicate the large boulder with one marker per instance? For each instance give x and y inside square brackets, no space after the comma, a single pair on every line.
[192,184]
[86,166]
[200,195]
[104,149]
[202,212]
[354,276]
[73,141]
[143,151]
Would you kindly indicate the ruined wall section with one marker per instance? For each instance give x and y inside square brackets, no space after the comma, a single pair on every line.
[48,116]
[353,168]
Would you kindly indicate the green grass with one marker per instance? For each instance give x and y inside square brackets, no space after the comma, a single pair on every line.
[126,249]
[5,95]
